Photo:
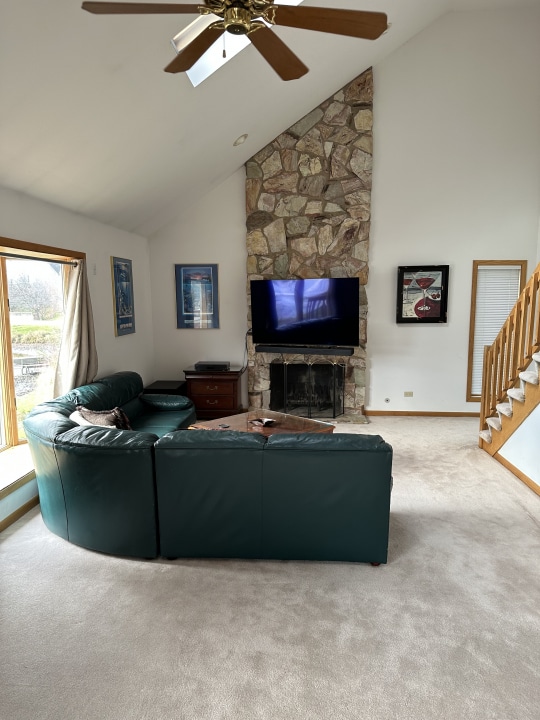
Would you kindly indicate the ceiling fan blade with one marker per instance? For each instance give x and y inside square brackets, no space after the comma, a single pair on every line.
[287,65]
[120,8]
[187,57]
[355,23]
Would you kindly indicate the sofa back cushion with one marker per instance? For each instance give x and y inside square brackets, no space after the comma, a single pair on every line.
[107,392]
[209,493]
[326,497]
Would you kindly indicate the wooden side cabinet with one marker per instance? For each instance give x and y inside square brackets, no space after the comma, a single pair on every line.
[214,394]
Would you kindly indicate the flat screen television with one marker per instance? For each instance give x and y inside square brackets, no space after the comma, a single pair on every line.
[322,312]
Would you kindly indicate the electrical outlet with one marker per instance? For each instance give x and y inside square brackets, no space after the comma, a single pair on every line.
[408,393]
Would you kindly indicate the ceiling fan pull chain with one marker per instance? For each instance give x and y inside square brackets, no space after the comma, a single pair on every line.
[224,50]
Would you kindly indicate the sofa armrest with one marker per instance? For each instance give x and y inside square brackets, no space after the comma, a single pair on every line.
[165,402]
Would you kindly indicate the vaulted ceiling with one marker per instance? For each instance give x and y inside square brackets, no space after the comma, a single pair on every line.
[90,122]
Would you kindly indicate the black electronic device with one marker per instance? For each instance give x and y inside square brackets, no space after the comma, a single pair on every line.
[322,312]
[213,366]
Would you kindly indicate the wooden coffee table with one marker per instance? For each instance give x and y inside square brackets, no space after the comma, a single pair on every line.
[244,422]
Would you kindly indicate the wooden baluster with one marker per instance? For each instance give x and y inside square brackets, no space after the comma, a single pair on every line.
[518,324]
[502,350]
[525,302]
[493,363]
[493,395]
[487,374]
[500,370]
[510,351]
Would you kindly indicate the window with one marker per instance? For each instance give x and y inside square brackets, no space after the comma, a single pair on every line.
[496,285]
[31,321]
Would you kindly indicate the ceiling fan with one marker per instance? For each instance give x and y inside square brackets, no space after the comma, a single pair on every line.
[251,18]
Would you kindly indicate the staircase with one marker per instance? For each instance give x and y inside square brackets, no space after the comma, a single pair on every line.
[511,375]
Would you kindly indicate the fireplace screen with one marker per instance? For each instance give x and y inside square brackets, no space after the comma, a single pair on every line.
[313,390]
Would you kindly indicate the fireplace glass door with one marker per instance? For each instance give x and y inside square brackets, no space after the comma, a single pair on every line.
[313,390]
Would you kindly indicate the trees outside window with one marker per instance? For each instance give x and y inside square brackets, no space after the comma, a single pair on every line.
[31,321]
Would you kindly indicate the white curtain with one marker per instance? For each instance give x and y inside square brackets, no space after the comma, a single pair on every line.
[77,361]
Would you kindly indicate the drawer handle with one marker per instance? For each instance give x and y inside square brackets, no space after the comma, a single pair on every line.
[212,402]
[211,387]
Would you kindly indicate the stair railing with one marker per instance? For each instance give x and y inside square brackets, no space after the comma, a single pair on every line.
[512,350]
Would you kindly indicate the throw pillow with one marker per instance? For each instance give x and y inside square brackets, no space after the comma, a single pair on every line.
[107,418]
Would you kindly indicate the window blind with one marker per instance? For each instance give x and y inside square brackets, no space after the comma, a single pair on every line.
[497,289]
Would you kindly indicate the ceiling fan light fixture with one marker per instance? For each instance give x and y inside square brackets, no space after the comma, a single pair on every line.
[237,20]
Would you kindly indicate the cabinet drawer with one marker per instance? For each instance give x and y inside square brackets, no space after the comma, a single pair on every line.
[219,402]
[211,387]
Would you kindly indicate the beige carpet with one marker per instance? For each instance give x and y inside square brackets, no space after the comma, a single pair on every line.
[450,628]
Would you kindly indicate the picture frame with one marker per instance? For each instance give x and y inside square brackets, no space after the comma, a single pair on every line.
[422,294]
[123,296]
[197,296]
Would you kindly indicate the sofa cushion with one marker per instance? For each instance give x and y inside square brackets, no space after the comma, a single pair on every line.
[165,402]
[211,440]
[337,442]
[45,426]
[107,418]
[133,409]
[125,385]
[163,422]
[107,392]
[61,406]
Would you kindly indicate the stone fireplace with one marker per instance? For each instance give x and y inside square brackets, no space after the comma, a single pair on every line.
[308,205]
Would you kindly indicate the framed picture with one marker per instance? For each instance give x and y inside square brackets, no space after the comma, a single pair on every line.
[197,302]
[122,282]
[422,294]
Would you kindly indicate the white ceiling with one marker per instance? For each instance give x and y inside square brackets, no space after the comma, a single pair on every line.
[90,122]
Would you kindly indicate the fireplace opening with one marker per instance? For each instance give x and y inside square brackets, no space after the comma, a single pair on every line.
[313,390]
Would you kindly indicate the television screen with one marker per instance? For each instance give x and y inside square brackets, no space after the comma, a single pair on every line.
[320,312]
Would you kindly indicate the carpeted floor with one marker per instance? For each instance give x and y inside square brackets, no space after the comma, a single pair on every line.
[450,628]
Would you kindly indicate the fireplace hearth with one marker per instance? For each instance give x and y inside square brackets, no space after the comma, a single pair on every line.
[313,390]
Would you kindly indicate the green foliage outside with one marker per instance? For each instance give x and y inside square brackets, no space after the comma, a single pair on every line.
[34,334]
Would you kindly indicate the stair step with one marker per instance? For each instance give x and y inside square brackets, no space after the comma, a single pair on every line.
[495,423]
[485,435]
[504,409]
[516,394]
[529,376]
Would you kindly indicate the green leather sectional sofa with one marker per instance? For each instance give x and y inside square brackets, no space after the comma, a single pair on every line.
[158,490]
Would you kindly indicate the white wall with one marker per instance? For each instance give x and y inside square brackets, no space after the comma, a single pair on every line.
[522,449]
[12,502]
[456,178]
[213,232]
[24,218]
